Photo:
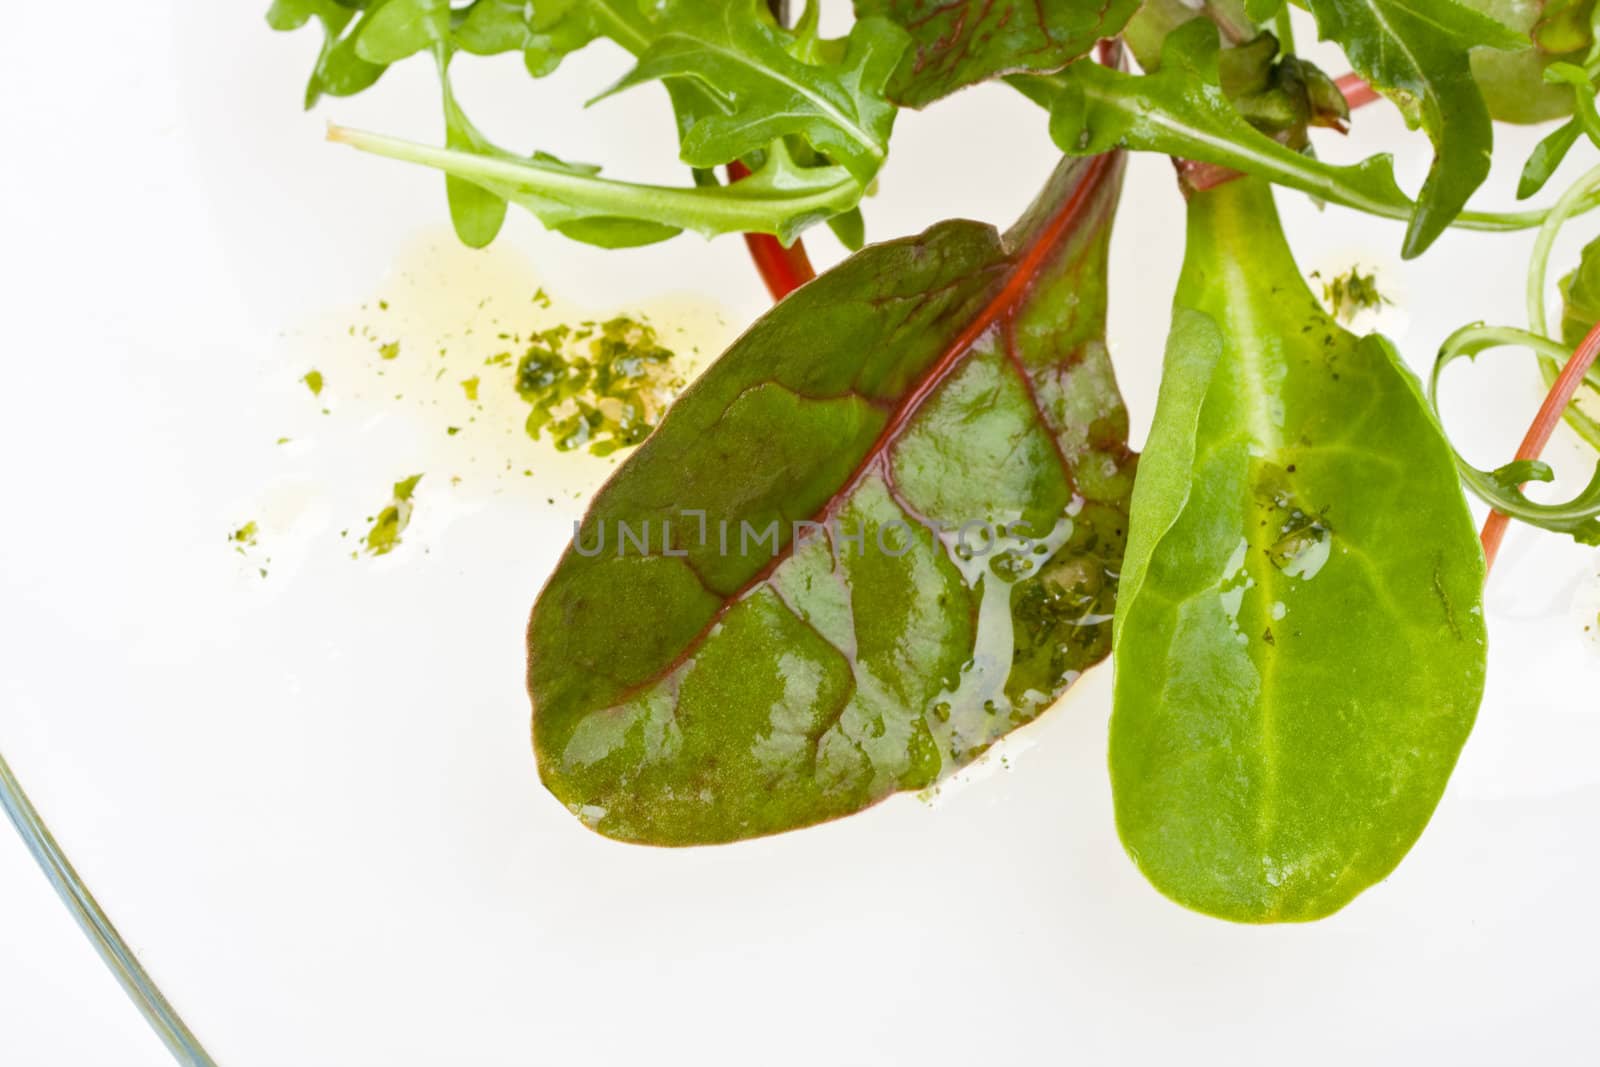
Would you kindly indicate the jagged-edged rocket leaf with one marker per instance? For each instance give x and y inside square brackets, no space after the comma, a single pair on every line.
[1181,110]
[1300,642]
[1512,82]
[1415,52]
[476,212]
[779,197]
[1546,157]
[746,61]
[961,43]
[748,671]
[339,71]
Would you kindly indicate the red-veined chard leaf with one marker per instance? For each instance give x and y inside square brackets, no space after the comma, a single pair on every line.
[715,686]
[1415,52]
[1300,643]
[961,43]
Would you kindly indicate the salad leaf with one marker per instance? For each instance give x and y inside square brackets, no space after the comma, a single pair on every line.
[1501,489]
[1415,52]
[476,212]
[398,29]
[1546,157]
[1512,82]
[778,198]
[1580,296]
[546,33]
[743,58]
[1182,110]
[1580,310]
[1300,643]
[339,71]
[755,628]
[969,41]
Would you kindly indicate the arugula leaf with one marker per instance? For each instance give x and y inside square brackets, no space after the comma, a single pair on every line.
[398,29]
[1512,82]
[1580,296]
[1502,489]
[339,71]
[710,687]
[1546,157]
[1415,53]
[964,42]
[1580,310]
[546,33]
[1181,110]
[778,198]
[1299,640]
[744,59]
[477,213]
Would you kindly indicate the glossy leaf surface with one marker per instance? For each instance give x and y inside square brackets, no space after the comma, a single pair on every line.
[715,685]
[969,41]
[1300,641]
[1415,52]
[1181,110]
[748,64]
[1512,82]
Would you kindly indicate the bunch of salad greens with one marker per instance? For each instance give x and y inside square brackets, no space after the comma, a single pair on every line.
[900,516]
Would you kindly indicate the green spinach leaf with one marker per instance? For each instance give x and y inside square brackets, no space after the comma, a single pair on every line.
[1415,52]
[969,41]
[1300,641]
[757,626]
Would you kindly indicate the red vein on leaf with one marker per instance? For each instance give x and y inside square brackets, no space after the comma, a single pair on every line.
[1022,271]
[783,269]
[1544,425]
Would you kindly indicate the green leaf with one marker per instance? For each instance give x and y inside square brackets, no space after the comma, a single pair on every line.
[1580,296]
[1512,81]
[1502,489]
[549,31]
[476,212]
[739,55]
[396,29]
[778,198]
[1300,643]
[1181,110]
[1415,53]
[339,71]
[1580,310]
[961,43]
[729,688]
[1546,157]
[1261,12]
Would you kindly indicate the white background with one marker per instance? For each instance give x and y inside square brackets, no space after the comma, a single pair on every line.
[309,801]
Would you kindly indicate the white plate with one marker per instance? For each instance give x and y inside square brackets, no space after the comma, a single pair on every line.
[308,799]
